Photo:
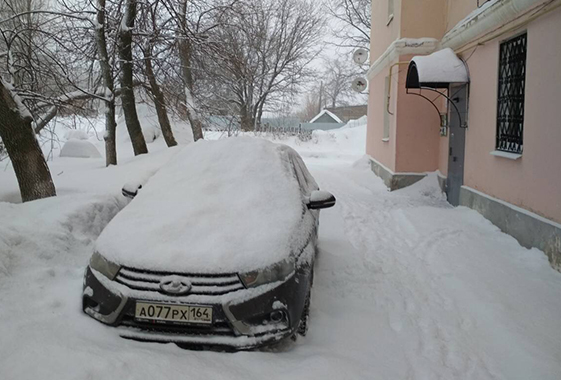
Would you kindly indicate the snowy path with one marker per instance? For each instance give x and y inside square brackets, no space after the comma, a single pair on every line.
[406,287]
[446,296]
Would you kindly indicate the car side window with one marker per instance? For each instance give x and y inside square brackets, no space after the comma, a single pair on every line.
[300,178]
[311,184]
[305,179]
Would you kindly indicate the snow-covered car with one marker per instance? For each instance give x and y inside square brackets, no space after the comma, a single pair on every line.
[217,249]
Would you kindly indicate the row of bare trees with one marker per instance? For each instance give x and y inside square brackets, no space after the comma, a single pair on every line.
[189,57]
[350,27]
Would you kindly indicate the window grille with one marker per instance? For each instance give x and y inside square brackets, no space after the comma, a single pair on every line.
[510,104]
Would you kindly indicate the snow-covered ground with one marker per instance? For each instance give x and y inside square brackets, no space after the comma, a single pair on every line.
[406,286]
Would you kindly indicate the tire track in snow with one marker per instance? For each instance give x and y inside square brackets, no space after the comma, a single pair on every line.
[393,251]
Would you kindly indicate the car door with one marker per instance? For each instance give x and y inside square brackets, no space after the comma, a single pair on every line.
[307,185]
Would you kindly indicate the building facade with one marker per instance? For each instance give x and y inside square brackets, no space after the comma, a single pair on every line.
[495,139]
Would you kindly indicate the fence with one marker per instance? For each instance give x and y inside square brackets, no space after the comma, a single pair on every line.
[285,131]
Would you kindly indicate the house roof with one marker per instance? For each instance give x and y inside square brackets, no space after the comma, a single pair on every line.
[349,112]
[329,113]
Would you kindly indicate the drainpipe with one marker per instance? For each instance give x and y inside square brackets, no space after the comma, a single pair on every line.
[463,36]
[388,95]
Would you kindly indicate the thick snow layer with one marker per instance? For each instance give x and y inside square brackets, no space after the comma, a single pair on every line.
[405,287]
[78,134]
[221,206]
[443,66]
[79,149]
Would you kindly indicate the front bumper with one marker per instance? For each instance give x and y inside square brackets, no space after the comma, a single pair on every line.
[240,319]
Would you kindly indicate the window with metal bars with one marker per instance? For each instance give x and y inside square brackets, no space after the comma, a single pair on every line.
[510,104]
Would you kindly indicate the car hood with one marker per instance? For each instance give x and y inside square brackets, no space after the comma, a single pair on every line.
[223,206]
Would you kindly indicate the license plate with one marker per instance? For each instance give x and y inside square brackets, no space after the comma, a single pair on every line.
[173,313]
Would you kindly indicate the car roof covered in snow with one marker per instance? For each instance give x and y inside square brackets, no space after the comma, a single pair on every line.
[220,206]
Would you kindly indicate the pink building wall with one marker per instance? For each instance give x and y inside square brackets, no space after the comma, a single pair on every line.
[533,181]
[414,139]
[383,34]
[418,131]
[423,18]
[457,10]
[381,151]
[415,120]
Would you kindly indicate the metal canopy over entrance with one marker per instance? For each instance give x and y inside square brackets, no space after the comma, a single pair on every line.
[437,71]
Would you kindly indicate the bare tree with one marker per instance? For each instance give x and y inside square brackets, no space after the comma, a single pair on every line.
[354,18]
[107,75]
[33,69]
[262,52]
[30,167]
[153,31]
[337,75]
[127,89]
[311,105]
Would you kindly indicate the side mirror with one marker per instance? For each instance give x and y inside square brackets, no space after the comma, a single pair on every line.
[131,189]
[321,199]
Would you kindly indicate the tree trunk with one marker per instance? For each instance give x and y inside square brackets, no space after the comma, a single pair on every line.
[107,74]
[185,58]
[159,100]
[247,122]
[32,172]
[260,111]
[127,89]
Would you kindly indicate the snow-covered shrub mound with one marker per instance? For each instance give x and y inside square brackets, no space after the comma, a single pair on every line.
[151,133]
[79,149]
[76,134]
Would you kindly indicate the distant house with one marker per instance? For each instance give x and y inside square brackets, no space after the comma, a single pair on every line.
[326,116]
[340,114]
[345,114]
[335,117]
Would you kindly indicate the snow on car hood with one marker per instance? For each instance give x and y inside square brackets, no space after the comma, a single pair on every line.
[220,206]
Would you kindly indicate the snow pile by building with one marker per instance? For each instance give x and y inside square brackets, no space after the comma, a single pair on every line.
[427,189]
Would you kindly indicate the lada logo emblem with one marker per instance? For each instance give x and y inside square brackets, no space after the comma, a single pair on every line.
[175,285]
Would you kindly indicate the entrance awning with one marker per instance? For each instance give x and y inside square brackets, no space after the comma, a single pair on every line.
[436,70]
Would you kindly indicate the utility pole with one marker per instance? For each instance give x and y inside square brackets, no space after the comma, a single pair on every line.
[320,96]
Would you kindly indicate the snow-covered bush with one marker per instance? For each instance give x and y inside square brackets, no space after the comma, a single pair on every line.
[79,149]
[76,134]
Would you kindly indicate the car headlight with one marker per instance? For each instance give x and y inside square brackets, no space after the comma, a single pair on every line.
[104,266]
[275,272]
